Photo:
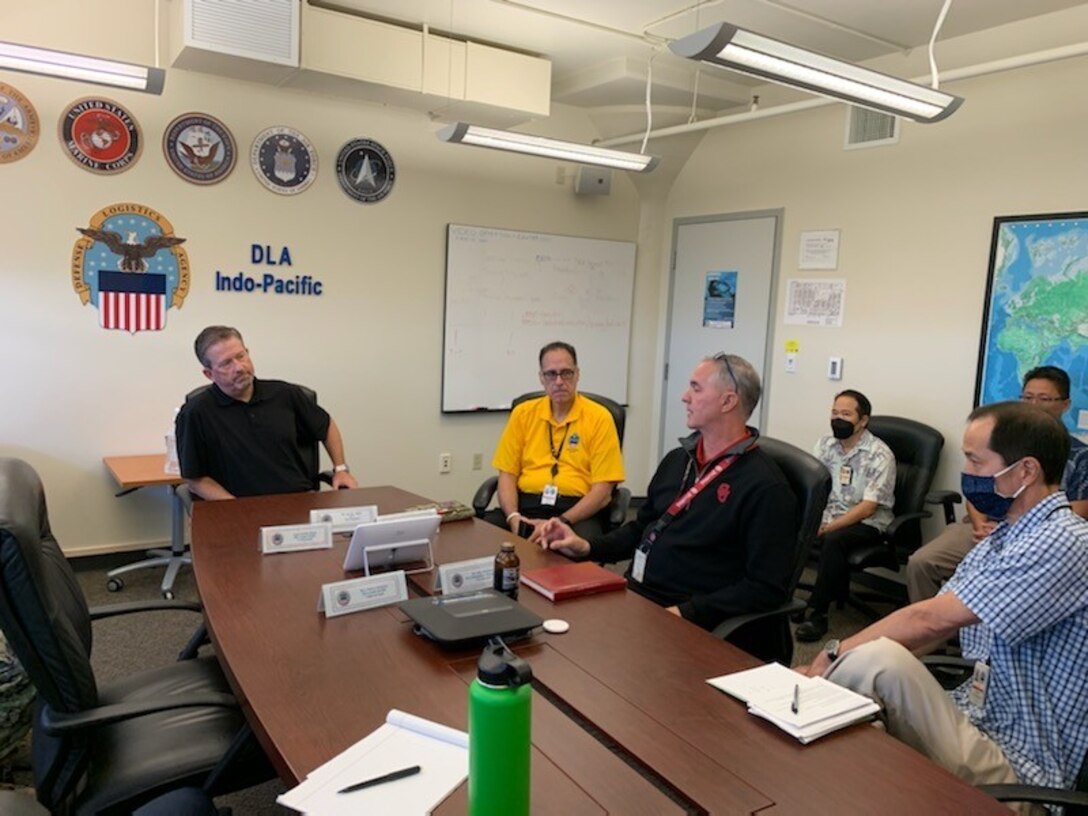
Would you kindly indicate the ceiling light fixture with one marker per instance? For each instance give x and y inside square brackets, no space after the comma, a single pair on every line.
[756,55]
[34,60]
[464,133]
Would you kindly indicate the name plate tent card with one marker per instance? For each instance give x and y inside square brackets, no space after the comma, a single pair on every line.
[465,576]
[344,519]
[359,594]
[295,537]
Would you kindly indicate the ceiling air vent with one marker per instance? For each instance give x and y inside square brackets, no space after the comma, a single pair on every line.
[869,128]
[265,30]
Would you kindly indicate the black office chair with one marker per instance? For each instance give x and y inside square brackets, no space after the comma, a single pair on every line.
[917,449]
[621,496]
[106,749]
[811,483]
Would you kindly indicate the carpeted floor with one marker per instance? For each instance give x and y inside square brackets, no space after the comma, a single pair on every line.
[127,644]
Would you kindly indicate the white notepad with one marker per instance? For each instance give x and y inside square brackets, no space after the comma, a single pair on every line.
[822,707]
[404,740]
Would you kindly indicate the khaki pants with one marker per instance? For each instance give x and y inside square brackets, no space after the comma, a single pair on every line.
[918,711]
[932,564]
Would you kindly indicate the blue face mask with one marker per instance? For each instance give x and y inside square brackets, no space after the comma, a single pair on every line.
[981,492]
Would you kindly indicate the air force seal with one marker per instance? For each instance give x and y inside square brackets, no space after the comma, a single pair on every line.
[130,266]
[199,148]
[100,136]
[365,170]
[19,126]
[283,160]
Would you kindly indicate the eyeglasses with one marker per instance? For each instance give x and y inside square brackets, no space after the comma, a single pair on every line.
[1041,399]
[565,374]
[722,357]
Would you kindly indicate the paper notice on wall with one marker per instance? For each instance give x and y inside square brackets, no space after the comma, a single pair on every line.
[720,300]
[815,302]
[819,249]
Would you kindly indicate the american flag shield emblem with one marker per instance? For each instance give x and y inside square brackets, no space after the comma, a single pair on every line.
[130,266]
[131,301]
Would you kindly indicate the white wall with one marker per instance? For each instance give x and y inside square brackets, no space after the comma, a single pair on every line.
[916,222]
[371,345]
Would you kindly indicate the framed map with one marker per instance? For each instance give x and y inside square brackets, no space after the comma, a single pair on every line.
[1036,308]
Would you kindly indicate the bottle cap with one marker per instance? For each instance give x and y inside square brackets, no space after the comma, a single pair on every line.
[507,546]
[499,667]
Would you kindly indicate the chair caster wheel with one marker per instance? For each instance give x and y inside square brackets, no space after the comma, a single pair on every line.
[115,584]
[168,595]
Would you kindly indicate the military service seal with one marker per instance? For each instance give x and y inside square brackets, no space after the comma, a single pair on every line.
[283,160]
[199,148]
[365,170]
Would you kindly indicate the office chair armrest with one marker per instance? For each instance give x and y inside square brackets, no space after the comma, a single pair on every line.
[899,521]
[484,495]
[60,722]
[947,662]
[325,477]
[1037,794]
[947,499]
[618,506]
[730,625]
[113,610]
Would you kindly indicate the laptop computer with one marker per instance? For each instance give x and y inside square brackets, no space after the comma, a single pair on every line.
[460,620]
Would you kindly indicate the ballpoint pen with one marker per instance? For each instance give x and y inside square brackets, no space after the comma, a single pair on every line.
[796,698]
[378,780]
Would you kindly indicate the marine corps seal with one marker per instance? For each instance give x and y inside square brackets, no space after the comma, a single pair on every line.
[100,136]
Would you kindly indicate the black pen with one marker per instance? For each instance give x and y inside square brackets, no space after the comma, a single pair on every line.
[796,698]
[377,780]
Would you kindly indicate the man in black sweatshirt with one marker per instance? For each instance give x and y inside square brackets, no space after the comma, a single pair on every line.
[717,534]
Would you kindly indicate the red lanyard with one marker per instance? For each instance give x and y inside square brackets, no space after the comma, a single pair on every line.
[688,496]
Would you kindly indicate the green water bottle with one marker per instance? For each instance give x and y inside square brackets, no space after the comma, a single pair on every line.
[499,715]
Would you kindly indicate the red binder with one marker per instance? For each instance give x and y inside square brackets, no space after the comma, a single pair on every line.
[572,580]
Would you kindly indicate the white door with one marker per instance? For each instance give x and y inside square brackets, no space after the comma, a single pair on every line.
[711,256]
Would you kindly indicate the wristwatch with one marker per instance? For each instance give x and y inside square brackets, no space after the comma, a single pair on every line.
[341,469]
[831,649]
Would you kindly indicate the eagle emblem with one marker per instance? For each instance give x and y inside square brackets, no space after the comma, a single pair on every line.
[100,135]
[131,267]
[199,148]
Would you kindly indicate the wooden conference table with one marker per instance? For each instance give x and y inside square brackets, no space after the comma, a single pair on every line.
[623,721]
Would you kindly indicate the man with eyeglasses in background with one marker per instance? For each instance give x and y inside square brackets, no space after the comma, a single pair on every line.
[1046,387]
[717,534]
[559,455]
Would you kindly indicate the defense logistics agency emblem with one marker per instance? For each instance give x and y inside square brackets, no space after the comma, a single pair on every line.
[283,160]
[19,127]
[130,266]
[365,170]
[199,148]
[100,136]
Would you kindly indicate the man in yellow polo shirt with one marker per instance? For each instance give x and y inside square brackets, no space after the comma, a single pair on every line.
[559,455]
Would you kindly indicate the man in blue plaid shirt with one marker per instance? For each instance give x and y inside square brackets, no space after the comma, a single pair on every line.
[1020,602]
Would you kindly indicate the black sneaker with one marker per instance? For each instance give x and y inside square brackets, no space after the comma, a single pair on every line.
[813,629]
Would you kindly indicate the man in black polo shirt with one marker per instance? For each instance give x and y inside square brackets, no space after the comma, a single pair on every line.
[250,437]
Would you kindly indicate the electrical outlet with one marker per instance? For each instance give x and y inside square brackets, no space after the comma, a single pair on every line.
[477,461]
[445,462]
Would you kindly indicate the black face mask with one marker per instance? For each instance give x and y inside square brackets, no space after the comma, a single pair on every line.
[841,429]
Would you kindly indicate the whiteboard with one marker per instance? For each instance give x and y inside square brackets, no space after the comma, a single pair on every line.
[509,293]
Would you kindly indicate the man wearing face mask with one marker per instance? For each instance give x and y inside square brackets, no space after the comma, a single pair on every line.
[1020,603]
[859,508]
[931,565]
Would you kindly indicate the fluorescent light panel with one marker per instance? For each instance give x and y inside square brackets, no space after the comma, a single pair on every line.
[33,60]
[759,56]
[465,133]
